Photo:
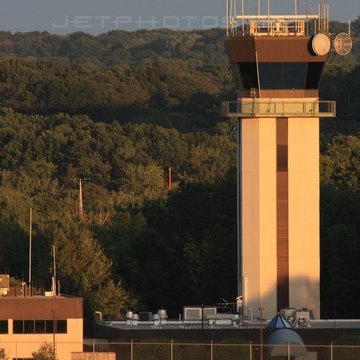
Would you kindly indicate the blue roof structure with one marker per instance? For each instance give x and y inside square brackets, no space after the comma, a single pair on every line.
[278,322]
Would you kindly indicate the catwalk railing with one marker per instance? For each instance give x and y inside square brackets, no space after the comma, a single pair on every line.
[224,351]
[274,108]
[171,350]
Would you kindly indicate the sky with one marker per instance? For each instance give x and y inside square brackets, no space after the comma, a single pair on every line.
[99,16]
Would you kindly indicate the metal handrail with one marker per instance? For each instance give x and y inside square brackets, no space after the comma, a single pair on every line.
[275,108]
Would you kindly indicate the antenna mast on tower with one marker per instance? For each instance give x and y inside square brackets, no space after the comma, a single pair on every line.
[323,17]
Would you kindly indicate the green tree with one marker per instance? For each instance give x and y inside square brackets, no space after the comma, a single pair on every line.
[3,355]
[340,162]
[142,183]
[45,352]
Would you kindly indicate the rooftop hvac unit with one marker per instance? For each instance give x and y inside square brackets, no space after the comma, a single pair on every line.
[135,319]
[145,316]
[129,317]
[195,312]
[162,314]
[289,314]
[303,318]
[209,312]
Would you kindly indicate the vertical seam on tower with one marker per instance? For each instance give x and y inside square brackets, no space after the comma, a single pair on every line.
[282,213]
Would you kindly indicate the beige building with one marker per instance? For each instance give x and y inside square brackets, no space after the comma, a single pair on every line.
[26,323]
[277,62]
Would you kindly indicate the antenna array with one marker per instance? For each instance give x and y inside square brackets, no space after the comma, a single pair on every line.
[323,17]
[241,13]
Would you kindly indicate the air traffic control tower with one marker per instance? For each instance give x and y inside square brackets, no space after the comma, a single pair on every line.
[277,62]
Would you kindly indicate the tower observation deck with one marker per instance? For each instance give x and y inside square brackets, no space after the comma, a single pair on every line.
[278,56]
[277,63]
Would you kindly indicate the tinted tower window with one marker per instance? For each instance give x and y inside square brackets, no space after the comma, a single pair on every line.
[278,76]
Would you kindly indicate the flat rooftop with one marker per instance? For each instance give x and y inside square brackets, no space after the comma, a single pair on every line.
[40,307]
[224,324]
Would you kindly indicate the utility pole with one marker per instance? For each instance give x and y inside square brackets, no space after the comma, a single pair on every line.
[54,278]
[81,208]
[261,334]
[54,331]
[170,179]
[30,252]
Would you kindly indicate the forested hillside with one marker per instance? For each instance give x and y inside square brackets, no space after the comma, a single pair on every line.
[158,76]
[118,110]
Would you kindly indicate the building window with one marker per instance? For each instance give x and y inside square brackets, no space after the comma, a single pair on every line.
[18,327]
[29,327]
[61,326]
[39,326]
[4,327]
[49,326]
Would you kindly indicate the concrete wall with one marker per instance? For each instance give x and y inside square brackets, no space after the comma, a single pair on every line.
[259,214]
[22,345]
[304,214]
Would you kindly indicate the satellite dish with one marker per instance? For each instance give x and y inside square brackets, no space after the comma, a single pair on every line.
[343,44]
[321,44]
